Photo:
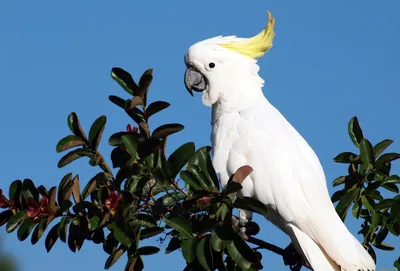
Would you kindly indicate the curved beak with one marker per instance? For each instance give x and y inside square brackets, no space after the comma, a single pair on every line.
[194,80]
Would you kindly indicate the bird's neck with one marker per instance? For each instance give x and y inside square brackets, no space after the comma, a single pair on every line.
[249,97]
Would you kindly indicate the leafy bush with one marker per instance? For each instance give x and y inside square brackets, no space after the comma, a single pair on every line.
[178,197]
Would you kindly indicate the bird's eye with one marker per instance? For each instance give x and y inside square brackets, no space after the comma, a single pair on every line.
[211,65]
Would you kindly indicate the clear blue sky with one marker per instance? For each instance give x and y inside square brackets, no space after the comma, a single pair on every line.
[331,60]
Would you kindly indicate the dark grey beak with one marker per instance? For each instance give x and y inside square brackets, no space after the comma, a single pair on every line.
[194,80]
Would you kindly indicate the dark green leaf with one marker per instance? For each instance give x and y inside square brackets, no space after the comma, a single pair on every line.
[391,187]
[384,204]
[68,142]
[121,237]
[345,202]
[375,219]
[117,101]
[356,210]
[96,131]
[15,221]
[156,107]
[5,216]
[178,159]
[383,232]
[166,130]
[150,232]
[381,146]
[134,264]
[63,228]
[39,230]
[346,158]
[251,204]
[392,179]
[91,185]
[73,155]
[384,246]
[180,224]
[15,190]
[124,79]
[355,131]
[397,264]
[190,179]
[29,190]
[114,257]
[200,177]
[25,229]
[147,250]
[366,152]
[144,84]
[51,237]
[143,220]
[75,126]
[189,249]
[387,157]
[338,195]
[116,139]
[173,245]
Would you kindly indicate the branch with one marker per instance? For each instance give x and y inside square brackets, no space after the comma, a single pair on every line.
[279,251]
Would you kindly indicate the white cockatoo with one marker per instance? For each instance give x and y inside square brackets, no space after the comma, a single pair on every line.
[248,130]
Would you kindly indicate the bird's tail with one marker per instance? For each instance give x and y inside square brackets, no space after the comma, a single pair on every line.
[319,258]
[311,251]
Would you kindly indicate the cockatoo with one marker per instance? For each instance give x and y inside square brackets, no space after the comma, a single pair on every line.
[248,130]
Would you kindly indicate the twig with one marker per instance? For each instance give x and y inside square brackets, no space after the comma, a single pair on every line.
[175,184]
[273,248]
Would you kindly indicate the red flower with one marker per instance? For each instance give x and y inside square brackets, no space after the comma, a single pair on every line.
[33,208]
[130,129]
[112,202]
[3,200]
[39,209]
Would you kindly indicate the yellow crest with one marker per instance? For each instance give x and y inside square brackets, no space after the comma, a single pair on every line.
[255,47]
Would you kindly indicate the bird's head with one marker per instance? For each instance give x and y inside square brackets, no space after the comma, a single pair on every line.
[223,68]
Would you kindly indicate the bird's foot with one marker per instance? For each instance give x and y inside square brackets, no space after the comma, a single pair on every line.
[292,258]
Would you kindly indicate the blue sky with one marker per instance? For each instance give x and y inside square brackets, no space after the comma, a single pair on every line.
[331,60]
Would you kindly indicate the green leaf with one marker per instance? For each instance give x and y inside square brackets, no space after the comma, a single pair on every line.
[203,161]
[124,79]
[147,250]
[384,204]
[203,253]
[338,195]
[116,139]
[366,152]
[346,158]
[387,157]
[384,246]
[15,221]
[392,179]
[25,229]
[91,185]
[397,264]
[216,243]
[381,235]
[156,107]
[251,204]
[5,216]
[355,131]
[114,257]
[178,159]
[381,146]
[166,130]
[345,202]
[391,187]
[75,126]
[190,179]
[237,257]
[189,249]
[180,224]
[173,245]
[131,144]
[375,220]
[69,142]
[73,155]
[144,84]
[339,181]
[200,177]
[96,131]
[232,187]
[29,190]
[65,188]
[356,210]
[121,237]
[134,264]
[143,220]
[368,202]
[52,237]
